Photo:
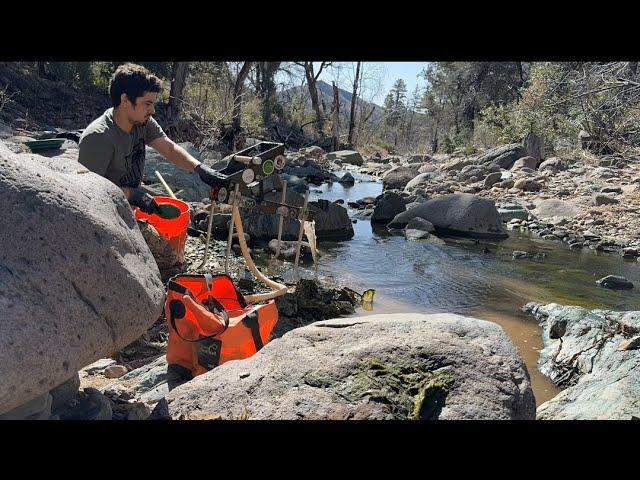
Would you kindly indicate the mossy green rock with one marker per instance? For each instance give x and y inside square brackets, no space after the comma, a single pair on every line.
[394,366]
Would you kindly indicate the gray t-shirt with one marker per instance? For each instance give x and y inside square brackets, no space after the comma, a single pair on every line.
[119,156]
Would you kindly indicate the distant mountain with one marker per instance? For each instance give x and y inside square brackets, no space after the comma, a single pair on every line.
[325,97]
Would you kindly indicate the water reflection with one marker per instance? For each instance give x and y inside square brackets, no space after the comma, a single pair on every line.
[469,277]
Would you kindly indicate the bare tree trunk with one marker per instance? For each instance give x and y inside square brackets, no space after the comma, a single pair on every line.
[313,91]
[176,94]
[237,101]
[265,72]
[41,70]
[353,106]
[335,128]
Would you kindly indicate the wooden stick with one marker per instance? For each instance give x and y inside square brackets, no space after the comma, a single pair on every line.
[235,204]
[164,184]
[206,248]
[300,232]
[281,221]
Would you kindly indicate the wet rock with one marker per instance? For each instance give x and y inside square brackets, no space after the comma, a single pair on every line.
[288,249]
[580,352]
[332,220]
[346,156]
[630,252]
[615,282]
[419,228]
[519,254]
[421,224]
[294,183]
[387,207]
[347,179]
[457,214]
[367,201]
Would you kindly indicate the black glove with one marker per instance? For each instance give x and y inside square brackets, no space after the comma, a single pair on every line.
[211,177]
[145,202]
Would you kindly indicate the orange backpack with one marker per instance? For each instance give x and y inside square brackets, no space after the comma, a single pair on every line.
[210,322]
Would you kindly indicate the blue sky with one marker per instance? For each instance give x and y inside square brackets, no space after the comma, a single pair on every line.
[382,74]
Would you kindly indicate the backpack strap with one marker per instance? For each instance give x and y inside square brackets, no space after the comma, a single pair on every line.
[177,310]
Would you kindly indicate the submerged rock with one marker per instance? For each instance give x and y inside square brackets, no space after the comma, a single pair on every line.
[615,282]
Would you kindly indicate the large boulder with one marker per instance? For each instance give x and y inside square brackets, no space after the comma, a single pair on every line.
[77,280]
[185,185]
[382,367]
[332,220]
[457,214]
[594,353]
[387,207]
[398,177]
[504,156]
[346,156]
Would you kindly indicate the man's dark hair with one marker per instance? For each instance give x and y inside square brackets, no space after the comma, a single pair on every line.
[134,80]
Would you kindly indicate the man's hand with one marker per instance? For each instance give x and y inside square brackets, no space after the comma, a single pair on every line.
[211,177]
[145,202]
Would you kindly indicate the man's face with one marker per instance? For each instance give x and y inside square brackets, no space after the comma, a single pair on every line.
[143,109]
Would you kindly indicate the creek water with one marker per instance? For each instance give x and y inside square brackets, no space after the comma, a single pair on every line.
[461,276]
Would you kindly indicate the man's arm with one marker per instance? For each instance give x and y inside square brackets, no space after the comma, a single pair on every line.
[174,153]
[181,158]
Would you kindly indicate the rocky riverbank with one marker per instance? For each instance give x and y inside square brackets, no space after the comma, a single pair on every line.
[594,355]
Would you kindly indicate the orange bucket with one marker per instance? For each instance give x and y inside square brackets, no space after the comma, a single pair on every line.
[173,230]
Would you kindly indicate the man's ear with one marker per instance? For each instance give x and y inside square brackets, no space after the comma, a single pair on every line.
[123,97]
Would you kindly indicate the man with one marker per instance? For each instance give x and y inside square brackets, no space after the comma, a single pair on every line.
[113,145]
